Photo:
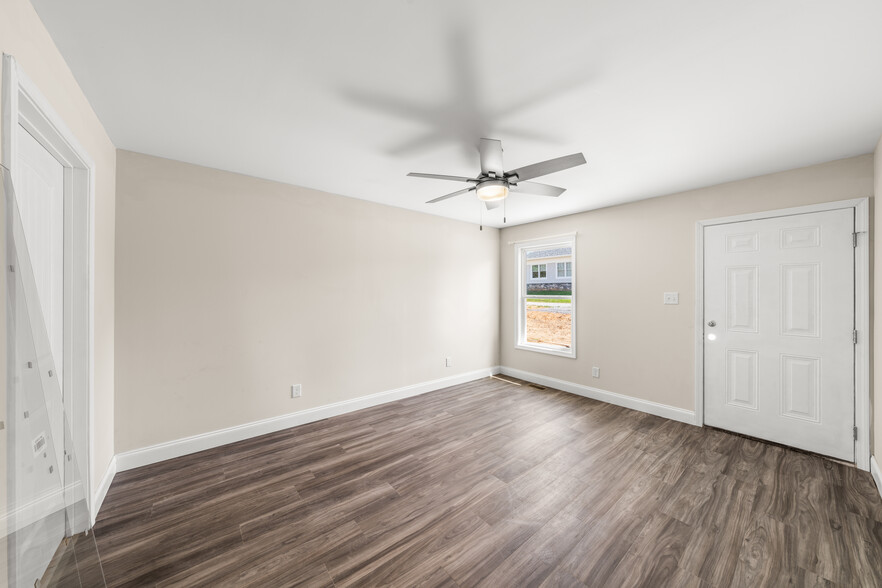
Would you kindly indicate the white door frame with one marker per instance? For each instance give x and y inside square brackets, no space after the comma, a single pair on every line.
[861,207]
[24,104]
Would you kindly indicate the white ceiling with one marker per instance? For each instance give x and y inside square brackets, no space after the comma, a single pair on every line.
[349,96]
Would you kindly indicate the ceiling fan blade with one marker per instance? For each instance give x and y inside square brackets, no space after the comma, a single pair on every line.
[491,157]
[491,204]
[536,188]
[441,177]
[451,195]
[528,172]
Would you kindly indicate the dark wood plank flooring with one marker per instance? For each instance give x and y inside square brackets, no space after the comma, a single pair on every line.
[491,483]
[75,564]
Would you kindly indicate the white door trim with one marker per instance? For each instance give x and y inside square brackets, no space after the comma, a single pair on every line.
[861,207]
[23,103]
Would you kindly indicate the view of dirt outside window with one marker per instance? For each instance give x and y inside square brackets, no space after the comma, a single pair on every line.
[549,300]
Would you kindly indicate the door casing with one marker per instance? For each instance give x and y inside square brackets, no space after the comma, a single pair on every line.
[861,207]
[23,104]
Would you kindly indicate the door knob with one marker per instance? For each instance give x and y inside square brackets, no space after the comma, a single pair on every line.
[712,323]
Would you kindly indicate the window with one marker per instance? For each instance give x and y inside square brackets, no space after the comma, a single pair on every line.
[538,271]
[546,303]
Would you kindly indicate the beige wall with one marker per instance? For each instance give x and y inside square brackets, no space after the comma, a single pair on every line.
[231,288]
[23,36]
[877,364]
[629,255]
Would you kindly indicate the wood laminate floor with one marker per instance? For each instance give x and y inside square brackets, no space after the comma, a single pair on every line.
[494,484]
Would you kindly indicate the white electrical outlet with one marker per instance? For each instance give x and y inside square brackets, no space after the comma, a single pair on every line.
[595,372]
[448,362]
[295,391]
[672,298]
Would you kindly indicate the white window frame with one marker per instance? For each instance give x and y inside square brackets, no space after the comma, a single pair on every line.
[521,276]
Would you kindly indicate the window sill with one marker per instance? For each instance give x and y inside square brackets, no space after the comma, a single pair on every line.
[547,349]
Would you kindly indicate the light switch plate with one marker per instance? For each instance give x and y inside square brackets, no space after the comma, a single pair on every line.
[672,298]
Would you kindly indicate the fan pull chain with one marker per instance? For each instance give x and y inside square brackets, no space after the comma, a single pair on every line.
[481,214]
[504,209]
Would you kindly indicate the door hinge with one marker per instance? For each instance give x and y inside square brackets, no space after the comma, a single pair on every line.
[855,433]
[854,336]
[854,239]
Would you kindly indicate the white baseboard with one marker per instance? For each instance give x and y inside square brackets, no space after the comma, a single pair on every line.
[662,410]
[171,449]
[101,490]
[877,474]
[39,507]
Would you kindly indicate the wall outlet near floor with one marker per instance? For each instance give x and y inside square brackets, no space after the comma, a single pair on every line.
[295,390]
[595,372]
[448,362]
[672,298]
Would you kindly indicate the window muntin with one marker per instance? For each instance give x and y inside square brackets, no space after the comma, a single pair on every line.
[546,299]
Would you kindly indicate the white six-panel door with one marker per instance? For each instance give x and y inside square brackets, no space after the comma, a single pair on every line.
[38,178]
[39,185]
[778,327]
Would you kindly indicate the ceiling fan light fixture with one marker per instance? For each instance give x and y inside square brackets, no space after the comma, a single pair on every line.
[492,190]
[493,184]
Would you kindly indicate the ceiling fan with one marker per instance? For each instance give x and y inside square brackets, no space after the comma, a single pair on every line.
[494,183]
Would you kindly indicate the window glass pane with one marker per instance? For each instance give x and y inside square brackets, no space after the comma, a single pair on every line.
[549,321]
